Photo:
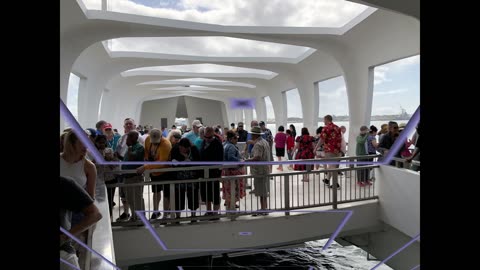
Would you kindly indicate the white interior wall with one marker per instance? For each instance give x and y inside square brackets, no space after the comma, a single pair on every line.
[399,196]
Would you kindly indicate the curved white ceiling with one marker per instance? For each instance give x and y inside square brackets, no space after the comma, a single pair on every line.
[205,46]
[191,88]
[200,68]
[296,13]
[196,81]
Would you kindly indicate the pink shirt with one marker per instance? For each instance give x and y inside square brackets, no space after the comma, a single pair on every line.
[280,140]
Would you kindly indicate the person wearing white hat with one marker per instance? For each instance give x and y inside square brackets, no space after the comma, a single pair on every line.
[260,152]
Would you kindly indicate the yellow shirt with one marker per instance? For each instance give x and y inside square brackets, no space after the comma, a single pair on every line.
[162,154]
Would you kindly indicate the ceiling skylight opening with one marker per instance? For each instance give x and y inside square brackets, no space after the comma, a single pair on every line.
[292,13]
[206,47]
[198,68]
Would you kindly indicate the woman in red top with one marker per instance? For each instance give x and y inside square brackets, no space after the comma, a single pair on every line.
[305,147]
[290,145]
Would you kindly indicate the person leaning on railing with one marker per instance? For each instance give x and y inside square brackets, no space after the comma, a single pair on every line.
[362,150]
[73,198]
[185,151]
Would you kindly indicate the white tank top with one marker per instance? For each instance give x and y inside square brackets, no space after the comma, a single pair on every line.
[74,170]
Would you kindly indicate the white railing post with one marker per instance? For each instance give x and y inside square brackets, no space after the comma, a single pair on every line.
[334,188]
[287,194]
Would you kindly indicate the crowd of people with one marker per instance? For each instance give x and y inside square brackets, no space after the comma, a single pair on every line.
[79,170]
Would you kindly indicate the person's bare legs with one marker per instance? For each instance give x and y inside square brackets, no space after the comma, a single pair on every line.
[280,167]
[157,196]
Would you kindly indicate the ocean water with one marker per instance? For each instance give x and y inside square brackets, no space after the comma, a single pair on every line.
[336,257]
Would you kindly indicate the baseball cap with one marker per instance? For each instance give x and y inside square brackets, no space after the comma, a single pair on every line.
[155,135]
[196,123]
[107,125]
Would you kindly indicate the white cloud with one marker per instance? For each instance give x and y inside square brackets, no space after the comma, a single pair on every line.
[337,93]
[294,104]
[403,63]
[380,75]
[206,46]
[389,92]
[319,13]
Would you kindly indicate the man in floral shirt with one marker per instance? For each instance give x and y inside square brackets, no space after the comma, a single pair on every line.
[331,138]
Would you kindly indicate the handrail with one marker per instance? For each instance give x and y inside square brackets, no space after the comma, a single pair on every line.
[402,163]
[289,195]
[252,163]
[167,182]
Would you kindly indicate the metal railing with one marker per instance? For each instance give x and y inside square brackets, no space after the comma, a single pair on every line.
[287,191]
[402,163]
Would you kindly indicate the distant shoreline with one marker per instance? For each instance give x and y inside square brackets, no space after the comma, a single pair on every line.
[346,118]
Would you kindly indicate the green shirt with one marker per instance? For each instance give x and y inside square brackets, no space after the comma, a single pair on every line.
[138,153]
[361,145]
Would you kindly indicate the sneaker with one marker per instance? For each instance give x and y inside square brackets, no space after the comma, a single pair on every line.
[340,173]
[123,217]
[155,215]
[338,186]
[369,182]
[136,221]
[362,184]
[326,181]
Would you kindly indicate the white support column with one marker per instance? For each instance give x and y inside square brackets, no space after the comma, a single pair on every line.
[226,122]
[238,115]
[307,97]
[316,105]
[278,108]
[248,117]
[261,109]
[285,110]
[107,106]
[359,83]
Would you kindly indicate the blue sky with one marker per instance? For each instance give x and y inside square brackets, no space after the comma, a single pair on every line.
[319,13]
[167,4]
[171,4]
[72,94]
[395,84]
